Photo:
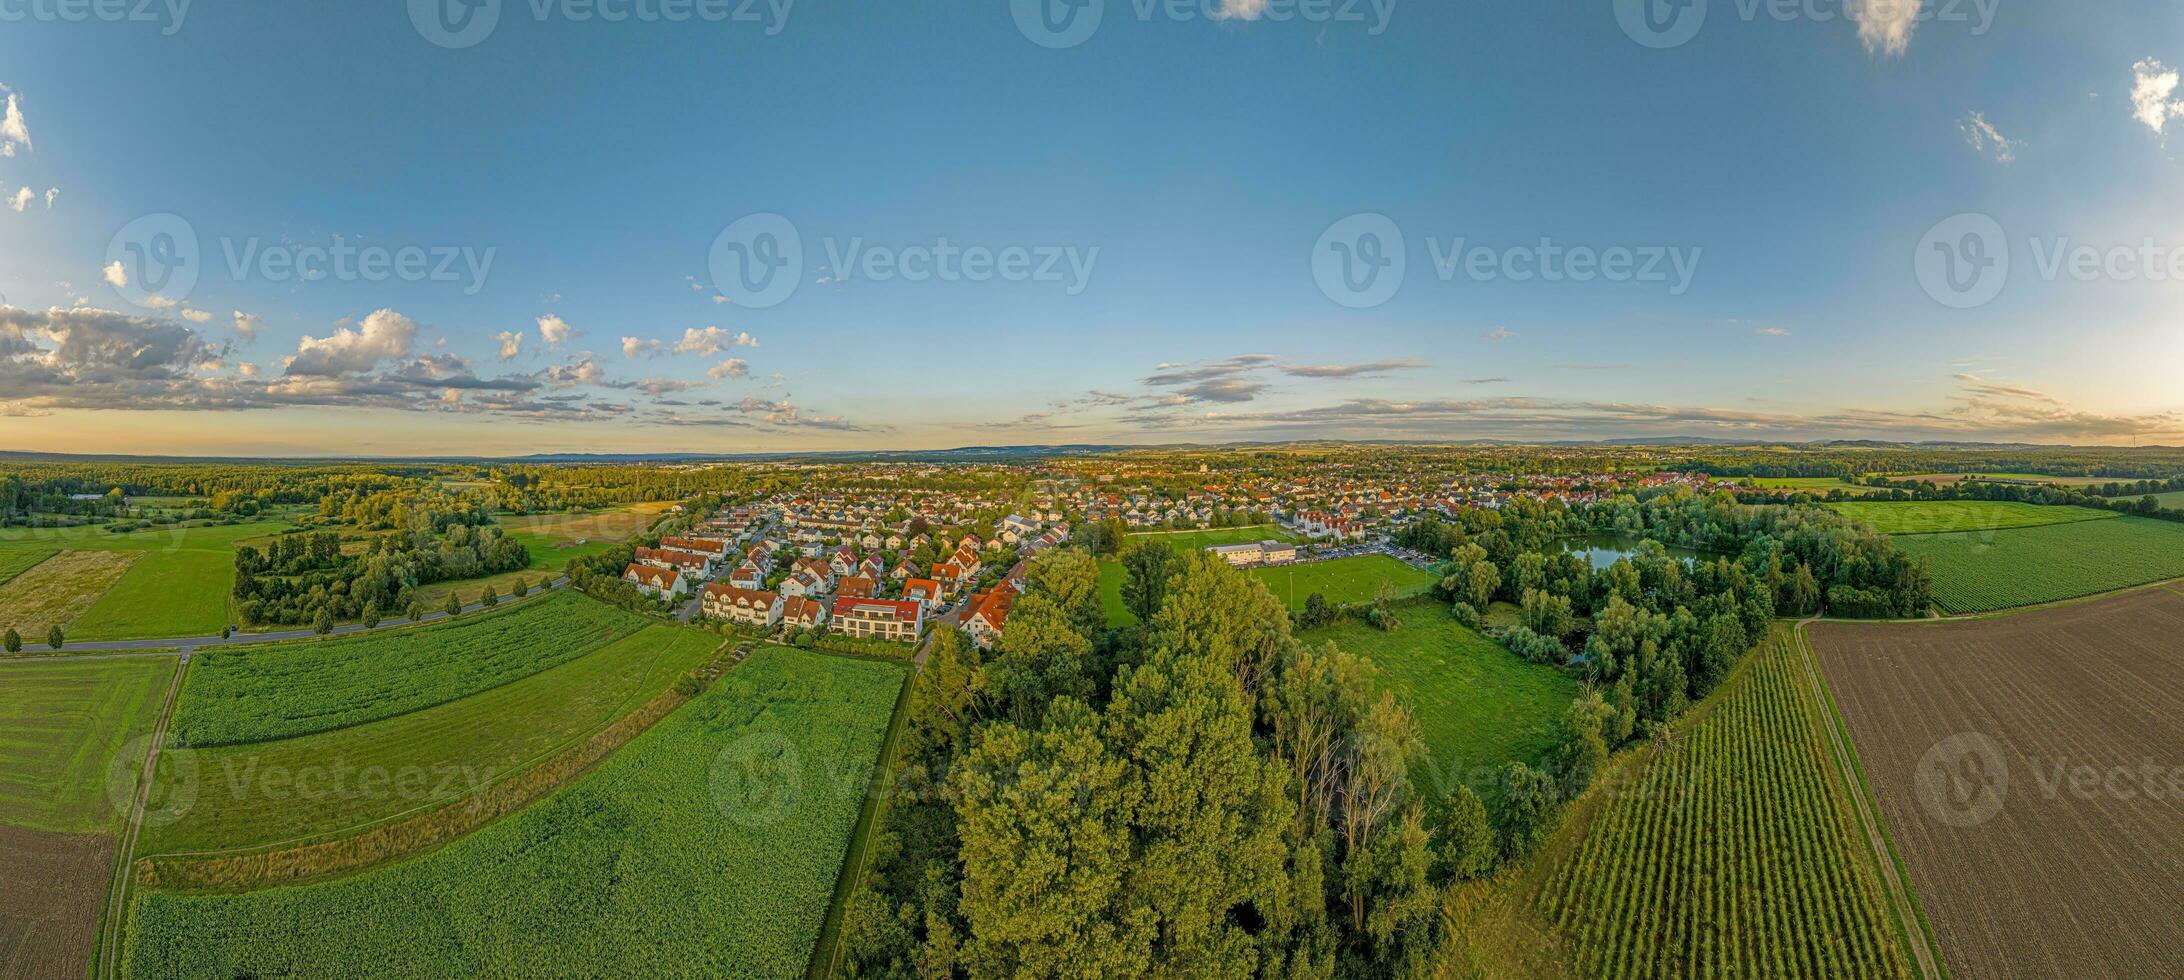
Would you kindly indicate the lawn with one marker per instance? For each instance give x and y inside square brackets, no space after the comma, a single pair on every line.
[61,726]
[1983,571]
[235,695]
[551,540]
[1189,541]
[709,846]
[177,580]
[1343,580]
[332,782]
[1945,516]
[1479,705]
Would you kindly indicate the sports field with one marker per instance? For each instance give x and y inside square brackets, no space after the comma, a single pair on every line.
[1478,705]
[1945,516]
[709,846]
[235,695]
[62,725]
[1982,571]
[336,782]
[150,583]
[1189,541]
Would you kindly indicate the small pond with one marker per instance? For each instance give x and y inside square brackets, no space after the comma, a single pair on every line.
[1605,548]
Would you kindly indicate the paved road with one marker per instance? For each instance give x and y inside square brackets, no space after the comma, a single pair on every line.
[184,645]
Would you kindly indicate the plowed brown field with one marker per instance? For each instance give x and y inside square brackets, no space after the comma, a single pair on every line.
[2031,772]
[50,889]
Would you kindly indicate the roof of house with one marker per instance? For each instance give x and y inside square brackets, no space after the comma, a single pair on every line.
[892,608]
[930,586]
[793,608]
[729,593]
[664,578]
[992,606]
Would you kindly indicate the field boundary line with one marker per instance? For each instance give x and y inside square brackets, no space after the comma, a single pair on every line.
[836,924]
[1910,917]
[113,920]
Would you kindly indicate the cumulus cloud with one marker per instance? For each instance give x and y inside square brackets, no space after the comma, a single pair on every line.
[247,369]
[1986,140]
[2152,90]
[13,131]
[94,347]
[511,344]
[21,200]
[633,347]
[115,275]
[1885,26]
[246,326]
[582,369]
[555,330]
[1240,10]
[1499,334]
[383,336]
[50,194]
[196,316]
[709,341]
[734,368]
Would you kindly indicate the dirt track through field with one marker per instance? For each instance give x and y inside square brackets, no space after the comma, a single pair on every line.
[50,889]
[2031,772]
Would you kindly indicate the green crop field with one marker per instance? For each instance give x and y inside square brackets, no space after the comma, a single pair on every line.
[1343,580]
[1945,516]
[1478,705]
[1812,484]
[2173,500]
[172,581]
[1730,851]
[259,694]
[334,782]
[1989,570]
[61,727]
[709,846]
[16,561]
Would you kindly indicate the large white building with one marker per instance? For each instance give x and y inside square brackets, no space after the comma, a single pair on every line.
[1256,553]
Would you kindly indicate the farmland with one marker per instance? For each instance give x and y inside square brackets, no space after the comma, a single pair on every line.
[1341,580]
[159,582]
[1477,704]
[1810,484]
[17,561]
[1727,851]
[1945,516]
[1990,570]
[2173,500]
[710,845]
[256,694]
[61,725]
[59,590]
[50,889]
[316,785]
[2017,762]
[1947,479]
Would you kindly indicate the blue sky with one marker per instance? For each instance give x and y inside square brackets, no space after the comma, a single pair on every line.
[1187,159]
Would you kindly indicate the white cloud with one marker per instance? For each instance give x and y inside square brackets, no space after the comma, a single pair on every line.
[1986,140]
[158,302]
[511,344]
[116,276]
[12,129]
[1240,10]
[383,336]
[633,347]
[2153,84]
[732,368]
[1499,334]
[21,199]
[582,370]
[712,340]
[196,316]
[1885,25]
[246,326]
[556,330]
[247,369]
[1771,332]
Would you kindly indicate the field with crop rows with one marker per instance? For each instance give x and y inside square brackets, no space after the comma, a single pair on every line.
[1983,571]
[335,782]
[1477,704]
[61,725]
[709,846]
[1731,853]
[17,561]
[259,694]
[1944,516]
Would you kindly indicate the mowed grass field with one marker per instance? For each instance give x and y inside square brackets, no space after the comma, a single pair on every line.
[1945,516]
[709,846]
[1189,541]
[1984,571]
[1809,484]
[1342,580]
[1945,479]
[334,783]
[20,560]
[1478,705]
[2023,767]
[2173,500]
[62,725]
[1731,852]
[150,583]
[236,695]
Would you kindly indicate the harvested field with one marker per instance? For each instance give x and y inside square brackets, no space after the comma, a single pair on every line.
[58,590]
[2028,770]
[50,889]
